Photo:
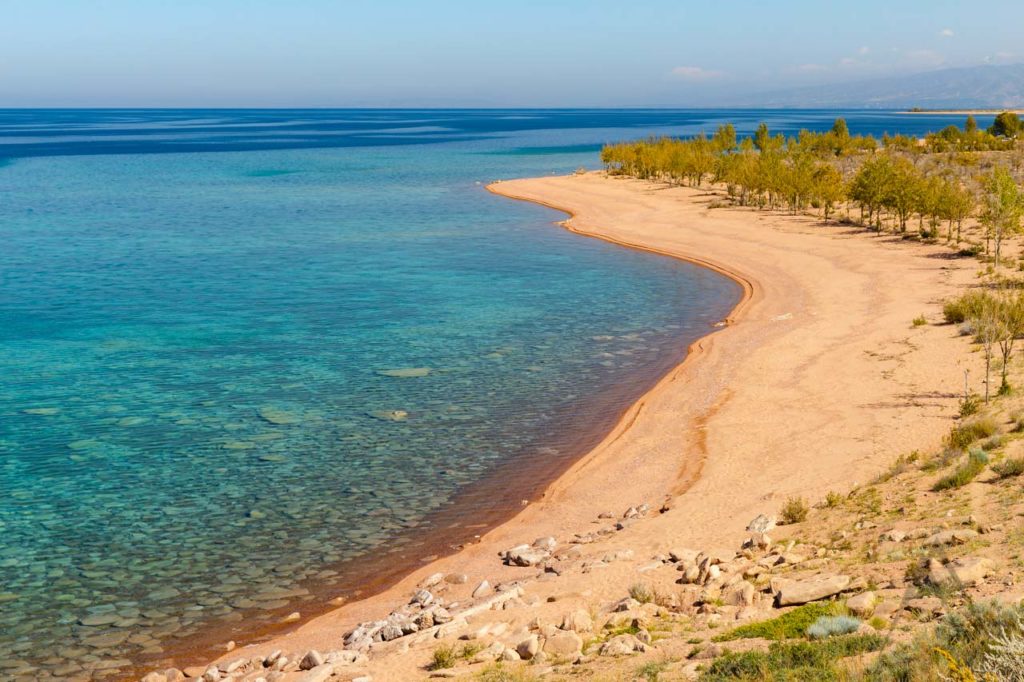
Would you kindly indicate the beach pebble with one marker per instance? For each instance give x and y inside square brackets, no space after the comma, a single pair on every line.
[312,659]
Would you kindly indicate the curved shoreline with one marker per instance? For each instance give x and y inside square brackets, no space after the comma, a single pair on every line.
[818,309]
[386,581]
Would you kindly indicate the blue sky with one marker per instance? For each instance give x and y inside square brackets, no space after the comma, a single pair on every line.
[476,53]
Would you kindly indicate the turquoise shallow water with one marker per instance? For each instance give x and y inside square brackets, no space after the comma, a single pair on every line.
[198,312]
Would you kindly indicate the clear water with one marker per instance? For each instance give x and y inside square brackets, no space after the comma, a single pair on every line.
[198,312]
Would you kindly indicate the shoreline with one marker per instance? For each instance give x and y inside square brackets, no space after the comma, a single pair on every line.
[669,434]
[963,112]
[381,576]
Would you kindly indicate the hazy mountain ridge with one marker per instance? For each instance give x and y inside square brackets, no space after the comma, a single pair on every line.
[985,86]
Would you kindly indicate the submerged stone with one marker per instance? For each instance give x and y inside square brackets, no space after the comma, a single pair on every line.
[42,411]
[389,415]
[405,373]
[276,415]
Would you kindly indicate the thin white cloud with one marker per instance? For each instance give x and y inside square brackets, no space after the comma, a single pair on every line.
[864,50]
[812,68]
[695,73]
[946,33]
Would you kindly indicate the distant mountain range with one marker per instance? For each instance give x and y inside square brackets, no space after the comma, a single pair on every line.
[975,87]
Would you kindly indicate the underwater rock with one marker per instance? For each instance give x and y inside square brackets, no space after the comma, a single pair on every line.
[389,415]
[405,373]
[42,411]
[276,415]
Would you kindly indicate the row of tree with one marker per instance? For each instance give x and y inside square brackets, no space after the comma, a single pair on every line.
[888,181]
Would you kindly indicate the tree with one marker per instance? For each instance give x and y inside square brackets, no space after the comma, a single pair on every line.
[955,204]
[725,138]
[1004,204]
[827,187]
[901,193]
[1011,314]
[869,186]
[970,125]
[840,129]
[988,330]
[1007,124]
[762,137]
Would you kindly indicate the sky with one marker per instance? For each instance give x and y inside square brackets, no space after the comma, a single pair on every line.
[438,53]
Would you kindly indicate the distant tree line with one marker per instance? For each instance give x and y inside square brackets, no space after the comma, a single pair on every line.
[937,180]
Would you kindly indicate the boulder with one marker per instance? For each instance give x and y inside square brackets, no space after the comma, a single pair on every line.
[528,648]
[482,590]
[761,524]
[739,594]
[578,621]
[563,643]
[962,571]
[928,606]
[956,536]
[862,604]
[792,592]
[312,659]
[622,645]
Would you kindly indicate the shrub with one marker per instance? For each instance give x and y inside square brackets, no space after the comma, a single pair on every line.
[965,473]
[787,626]
[444,656]
[795,510]
[961,308]
[651,671]
[968,636]
[965,434]
[919,321]
[970,404]
[829,626]
[901,465]
[792,661]
[1009,468]
[642,593]
[833,500]
[1004,659]
[499,673]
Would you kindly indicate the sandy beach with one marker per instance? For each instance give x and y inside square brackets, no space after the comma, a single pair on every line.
[818,381]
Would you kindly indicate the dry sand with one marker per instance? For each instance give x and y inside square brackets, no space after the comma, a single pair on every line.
[818,383]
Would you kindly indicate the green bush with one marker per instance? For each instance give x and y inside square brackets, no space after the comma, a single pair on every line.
[965,473]
[444,656]
[970,404]
[830,626]
[965,434]
[643,593]
[961,308]
[966,634]
[795,510]
[920,321]
[801,661]
[789,625]
[1009,468]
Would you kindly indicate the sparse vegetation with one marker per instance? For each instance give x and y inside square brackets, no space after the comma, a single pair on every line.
[1008,468]
[643,593]
[919,321]
[792,624]
[969,636]
[795,510]
[965,473]
[831,626]
[445,656]
[815,660]
[964,435]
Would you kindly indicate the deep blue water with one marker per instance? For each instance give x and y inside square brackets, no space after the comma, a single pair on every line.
[198,315]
